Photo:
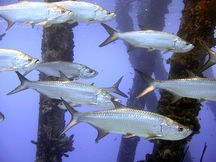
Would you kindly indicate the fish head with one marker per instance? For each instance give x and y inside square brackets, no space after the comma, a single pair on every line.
[31,63]
[1,117]
[174,131]
[103,15]
[86,73]
[183,46]
[58,14]
[24,62]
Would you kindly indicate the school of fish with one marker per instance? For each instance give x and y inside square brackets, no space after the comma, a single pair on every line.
[117,118]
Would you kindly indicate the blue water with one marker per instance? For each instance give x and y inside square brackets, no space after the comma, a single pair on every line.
[21,109]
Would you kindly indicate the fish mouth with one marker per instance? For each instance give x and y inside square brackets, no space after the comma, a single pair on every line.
[113,15]
[189,47]
[95,73]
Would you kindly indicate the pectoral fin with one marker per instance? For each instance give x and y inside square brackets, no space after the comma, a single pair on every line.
[44,24]
[202,99]
[62,106]
[150,49]
[71,21]
[63,77]
[168,50]
[175,98]
[151,137]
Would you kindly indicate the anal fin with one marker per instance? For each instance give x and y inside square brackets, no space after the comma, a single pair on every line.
[10,23]
[129,135]
[101,133]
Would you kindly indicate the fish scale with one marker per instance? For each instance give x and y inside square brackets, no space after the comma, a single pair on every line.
[71,70]
[87,12]
[73,92]
[13,60]
[150,39]
[35,13]
[130,122]
[196,88]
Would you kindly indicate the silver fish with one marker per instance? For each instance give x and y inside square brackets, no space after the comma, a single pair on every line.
[71,70]
[150,39]
[87,12]
[1,117]
[13,60]
[195,87]
[211,60]
[73,92]
[35,13]
[129,122]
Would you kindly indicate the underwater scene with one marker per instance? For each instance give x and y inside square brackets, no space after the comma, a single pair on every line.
[107,81]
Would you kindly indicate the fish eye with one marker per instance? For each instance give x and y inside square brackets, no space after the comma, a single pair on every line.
[29,59]
[187,43]
[108,12]
[180,129]
[91,71]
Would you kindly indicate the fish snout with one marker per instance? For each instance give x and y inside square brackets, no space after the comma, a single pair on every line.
[188,132]
[113,15]
[188,47]
[93,73]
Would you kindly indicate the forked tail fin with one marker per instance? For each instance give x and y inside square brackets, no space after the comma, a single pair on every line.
[115,88]
[211,60]
[74,119]
[112,35]
[22,86]
[148,80]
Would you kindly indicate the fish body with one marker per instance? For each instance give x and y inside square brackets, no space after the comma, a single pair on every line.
[196,88]
[87,12]
[150,39]
[34,13]
[1,117]
[129,122]
[71,70]
[13,60]
[73,92]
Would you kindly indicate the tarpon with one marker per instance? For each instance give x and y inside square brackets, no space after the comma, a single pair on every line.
[195,87]
[35,13]
[129,122]
[13,60]
[70,69]
[86,12]
[73,92]
[1,117]
[150,39]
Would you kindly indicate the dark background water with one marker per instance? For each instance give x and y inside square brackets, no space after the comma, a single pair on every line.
[111,61]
